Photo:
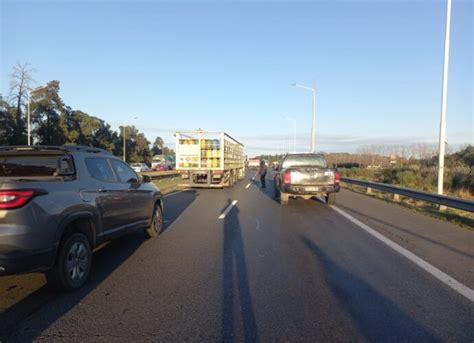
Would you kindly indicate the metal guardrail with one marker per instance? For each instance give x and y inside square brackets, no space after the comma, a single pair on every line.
[448,201]
[161,174]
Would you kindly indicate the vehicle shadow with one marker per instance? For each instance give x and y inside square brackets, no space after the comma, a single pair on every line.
[49,305]
[377,318]
[175,205]
[411,233]
[235,268]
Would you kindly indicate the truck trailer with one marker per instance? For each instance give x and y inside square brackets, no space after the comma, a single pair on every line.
[209,159]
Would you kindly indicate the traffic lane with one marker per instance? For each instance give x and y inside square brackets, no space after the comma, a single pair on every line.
[173,279]
[250,276]
[331,261]
[448,247]
[23,295]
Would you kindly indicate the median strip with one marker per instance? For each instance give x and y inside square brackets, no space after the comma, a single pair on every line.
[227,210]
[440,275]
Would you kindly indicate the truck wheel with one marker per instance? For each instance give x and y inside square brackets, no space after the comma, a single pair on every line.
[73,263]
[156,222]
[284,198]
[330,198]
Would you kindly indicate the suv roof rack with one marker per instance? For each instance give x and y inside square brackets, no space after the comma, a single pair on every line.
[82,148]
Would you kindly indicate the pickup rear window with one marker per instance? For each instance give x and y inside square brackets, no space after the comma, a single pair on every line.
[25,165]
[304,161]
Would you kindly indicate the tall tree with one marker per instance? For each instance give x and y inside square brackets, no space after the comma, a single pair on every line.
[158,146]
[7,123]
[20,82]
[49,111]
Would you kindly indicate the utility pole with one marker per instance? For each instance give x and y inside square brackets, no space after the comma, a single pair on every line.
[124,159]
[313,112]
[444,94]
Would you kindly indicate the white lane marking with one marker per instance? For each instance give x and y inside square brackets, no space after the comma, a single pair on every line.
[258,225]
[443,277]
[227,210]
[248,185]
[177,192]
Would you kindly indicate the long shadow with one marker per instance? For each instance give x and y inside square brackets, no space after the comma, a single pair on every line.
[377,318]
[445,246]
[51,305]
[175,205]
[235,268]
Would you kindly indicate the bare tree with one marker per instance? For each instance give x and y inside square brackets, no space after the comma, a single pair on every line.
[20,81]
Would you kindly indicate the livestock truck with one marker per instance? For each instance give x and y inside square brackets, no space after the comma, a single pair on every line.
[209,159]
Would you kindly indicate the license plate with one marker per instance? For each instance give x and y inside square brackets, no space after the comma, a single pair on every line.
[312,189]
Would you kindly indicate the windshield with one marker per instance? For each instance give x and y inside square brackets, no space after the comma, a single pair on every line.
[304,160]
[28,165]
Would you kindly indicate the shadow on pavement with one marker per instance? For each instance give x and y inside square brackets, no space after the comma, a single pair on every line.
[175,205]
[51,305]
[235,268]
[377,318]
[411,233]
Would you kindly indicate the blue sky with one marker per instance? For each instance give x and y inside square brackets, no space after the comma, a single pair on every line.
[228,66]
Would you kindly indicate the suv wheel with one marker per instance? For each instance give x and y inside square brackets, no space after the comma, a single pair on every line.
[73,263]
[156,222]
[331,198]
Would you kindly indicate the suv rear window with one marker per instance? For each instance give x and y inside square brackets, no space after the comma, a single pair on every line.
[304,161]
[29,165]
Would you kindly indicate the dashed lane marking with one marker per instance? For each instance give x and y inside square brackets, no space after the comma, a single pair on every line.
[227,210]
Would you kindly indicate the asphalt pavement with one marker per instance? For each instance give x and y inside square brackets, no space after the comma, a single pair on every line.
[263,273]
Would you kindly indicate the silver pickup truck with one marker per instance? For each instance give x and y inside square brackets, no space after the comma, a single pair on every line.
[305,175]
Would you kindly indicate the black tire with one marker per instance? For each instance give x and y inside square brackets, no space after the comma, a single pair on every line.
[331,198]
[73,263]
[156,222]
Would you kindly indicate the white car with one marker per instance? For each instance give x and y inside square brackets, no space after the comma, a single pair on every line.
[140,167]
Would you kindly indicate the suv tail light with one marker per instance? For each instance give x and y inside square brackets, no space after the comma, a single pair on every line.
[10,199]
[337,177]
[287,177]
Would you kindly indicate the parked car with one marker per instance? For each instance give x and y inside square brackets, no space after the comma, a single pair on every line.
[58,203]
[140,167]
[305,175]
[161,167]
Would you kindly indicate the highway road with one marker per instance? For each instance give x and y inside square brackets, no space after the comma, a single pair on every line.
[305,272]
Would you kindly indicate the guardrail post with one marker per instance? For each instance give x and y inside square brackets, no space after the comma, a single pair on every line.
[396,197]
[369,190]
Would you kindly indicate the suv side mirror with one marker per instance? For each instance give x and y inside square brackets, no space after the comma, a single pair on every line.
[146,178]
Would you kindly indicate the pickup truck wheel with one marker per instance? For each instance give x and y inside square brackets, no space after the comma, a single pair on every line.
[284,198]
[330,198]
[156,222]
[73,263]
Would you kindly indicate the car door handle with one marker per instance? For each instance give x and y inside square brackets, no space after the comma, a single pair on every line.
[101,190]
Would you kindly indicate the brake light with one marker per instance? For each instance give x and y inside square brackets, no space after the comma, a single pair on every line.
[287,177]
[10,199]
[337,177]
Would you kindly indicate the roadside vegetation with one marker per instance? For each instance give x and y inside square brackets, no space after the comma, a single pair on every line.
[55,123]
[423,174]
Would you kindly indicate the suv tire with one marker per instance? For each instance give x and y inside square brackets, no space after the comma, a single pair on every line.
[73,263]
[156,222]
[330,198]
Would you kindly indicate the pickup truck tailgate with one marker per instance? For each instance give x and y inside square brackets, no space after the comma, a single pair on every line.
[311,176]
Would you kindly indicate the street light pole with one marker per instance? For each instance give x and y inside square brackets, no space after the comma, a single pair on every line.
[124,159]
[444,93]
[313,112]
[29,120]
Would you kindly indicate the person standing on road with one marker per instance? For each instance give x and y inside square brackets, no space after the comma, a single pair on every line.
[263,172]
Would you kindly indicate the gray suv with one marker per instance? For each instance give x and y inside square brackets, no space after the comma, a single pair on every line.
[58,203]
